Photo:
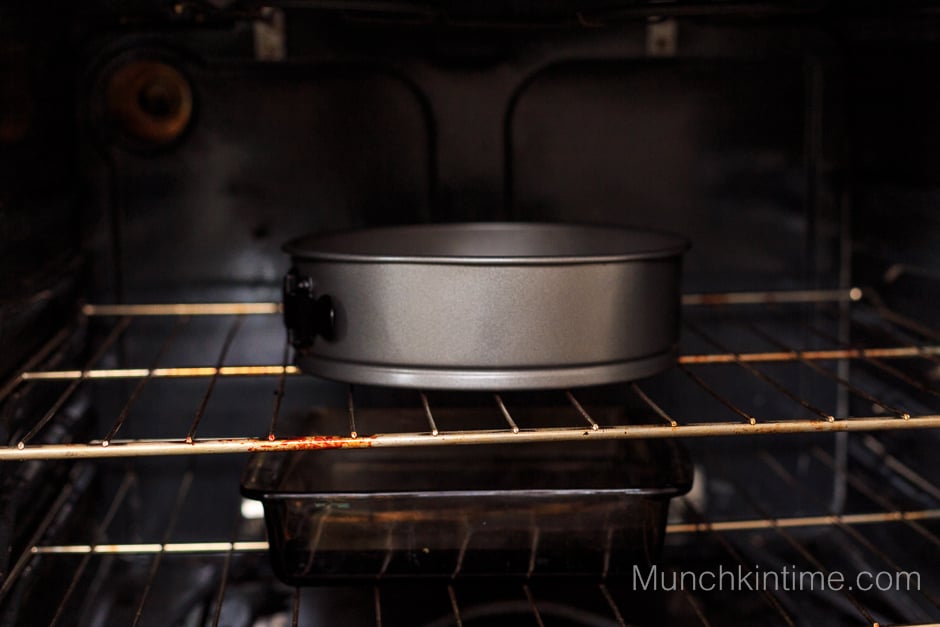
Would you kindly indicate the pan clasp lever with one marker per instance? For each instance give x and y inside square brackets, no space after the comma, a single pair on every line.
[305,315]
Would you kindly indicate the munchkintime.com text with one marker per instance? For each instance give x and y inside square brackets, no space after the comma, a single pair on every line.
[785,579]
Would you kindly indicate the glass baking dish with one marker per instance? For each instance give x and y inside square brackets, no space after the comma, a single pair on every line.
[591,509]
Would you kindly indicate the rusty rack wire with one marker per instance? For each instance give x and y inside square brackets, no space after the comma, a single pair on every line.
[744,422]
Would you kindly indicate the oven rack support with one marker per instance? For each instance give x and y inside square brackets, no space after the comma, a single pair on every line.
[738,420]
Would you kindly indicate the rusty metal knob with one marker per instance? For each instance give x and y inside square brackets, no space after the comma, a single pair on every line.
[150,100]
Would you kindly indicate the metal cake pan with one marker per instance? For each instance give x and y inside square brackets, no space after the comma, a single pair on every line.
[484,305]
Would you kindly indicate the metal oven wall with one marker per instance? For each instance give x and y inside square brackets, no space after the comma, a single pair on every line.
[794,148]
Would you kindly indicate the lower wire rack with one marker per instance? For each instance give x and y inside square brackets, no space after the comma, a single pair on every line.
[791,562]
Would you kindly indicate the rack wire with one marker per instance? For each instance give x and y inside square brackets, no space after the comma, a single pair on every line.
[737,421]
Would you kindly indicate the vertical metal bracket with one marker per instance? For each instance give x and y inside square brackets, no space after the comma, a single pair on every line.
[269,35]
[662,37]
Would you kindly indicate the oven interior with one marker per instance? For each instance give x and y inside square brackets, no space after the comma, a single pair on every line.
[155,156]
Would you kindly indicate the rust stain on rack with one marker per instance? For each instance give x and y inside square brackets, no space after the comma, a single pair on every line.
[140,448]
[309,443]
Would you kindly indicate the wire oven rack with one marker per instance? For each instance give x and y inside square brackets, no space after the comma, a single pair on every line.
[608,601]
[911,341]
[739,421]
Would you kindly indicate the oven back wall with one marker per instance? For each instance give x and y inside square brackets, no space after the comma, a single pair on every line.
[362,124]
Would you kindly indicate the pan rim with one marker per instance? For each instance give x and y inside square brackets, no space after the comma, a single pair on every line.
[322,246]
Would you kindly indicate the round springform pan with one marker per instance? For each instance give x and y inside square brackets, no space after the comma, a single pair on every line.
[491,306]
